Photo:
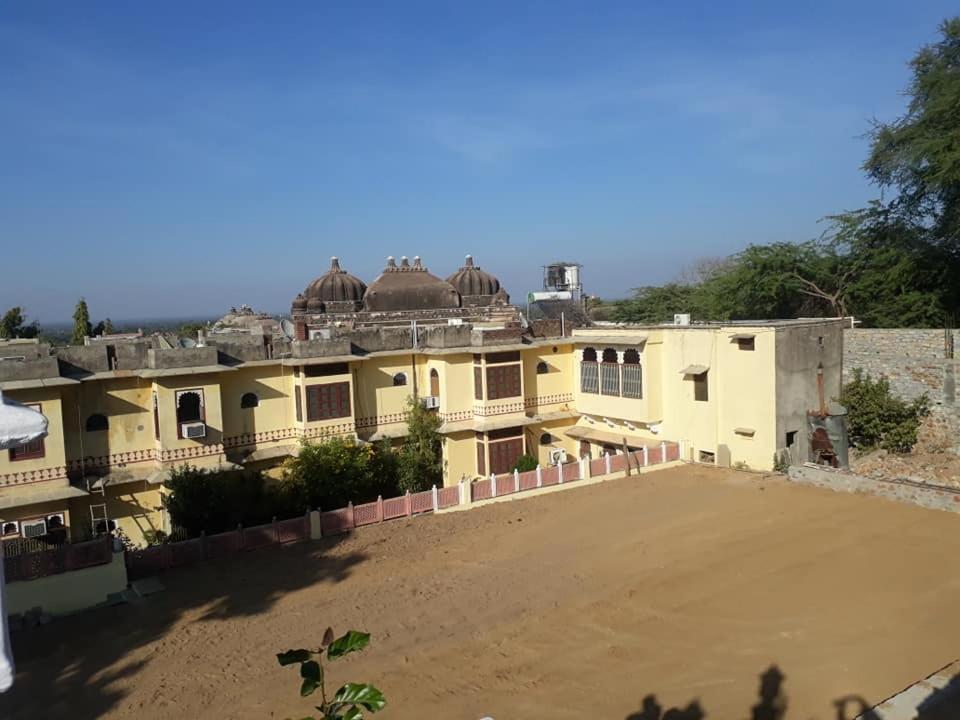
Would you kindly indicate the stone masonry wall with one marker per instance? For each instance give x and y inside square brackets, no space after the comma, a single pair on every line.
[914,361]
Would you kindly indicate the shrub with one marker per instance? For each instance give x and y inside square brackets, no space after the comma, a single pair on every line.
[526,463]
[333,473]
[877,418]
[212,501]
[421,461]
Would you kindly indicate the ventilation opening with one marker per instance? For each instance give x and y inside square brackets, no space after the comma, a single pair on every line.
[705,456]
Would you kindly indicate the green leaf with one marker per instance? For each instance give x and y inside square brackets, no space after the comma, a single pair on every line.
[362,694]
[352,714]
[327,637]
[348,643]
[294,656]
[308,686]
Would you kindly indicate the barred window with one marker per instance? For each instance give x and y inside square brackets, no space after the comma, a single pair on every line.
[589,382]
[609,373]
[31,450]
[632,373]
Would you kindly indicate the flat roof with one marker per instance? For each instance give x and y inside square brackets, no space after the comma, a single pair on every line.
[36,383]
[194,370]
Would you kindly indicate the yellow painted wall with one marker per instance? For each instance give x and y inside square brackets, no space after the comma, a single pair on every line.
[135,507]
[68,592]
[54,446]
[456,383]
[557,381]
[127,404]
[166,389]
[459,457]
[38,510]
[272,384]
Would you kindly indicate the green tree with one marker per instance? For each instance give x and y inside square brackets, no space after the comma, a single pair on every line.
[421,461]
[347,703]
[332,473]
[211,501]
[918,154]
[81,323]
[877,418]
[656,304]
[14,325]
[526,463]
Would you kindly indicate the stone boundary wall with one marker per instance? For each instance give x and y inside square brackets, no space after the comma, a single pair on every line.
[934,497]
[914,361]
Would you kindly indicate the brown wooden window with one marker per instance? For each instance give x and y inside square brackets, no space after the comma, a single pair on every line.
[700,393]
[331,400]
[504,455]
[298,398]
[481,460]
[434,382]
[503,381]
[32,450]
[478,383]
[156,417]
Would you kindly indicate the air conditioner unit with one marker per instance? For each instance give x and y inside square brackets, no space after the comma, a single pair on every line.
[33,528]
[558,456]
[431,402]
[455,321]
[681,319]
[193,430]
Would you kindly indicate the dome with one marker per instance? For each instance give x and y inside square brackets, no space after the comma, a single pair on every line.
[471,280]
[409,288]
[336,285]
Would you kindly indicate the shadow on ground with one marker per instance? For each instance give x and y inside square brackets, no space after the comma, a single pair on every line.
[67,669]
[941,704]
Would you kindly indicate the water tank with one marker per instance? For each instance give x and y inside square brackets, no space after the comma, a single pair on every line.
[549,295]
[573,276]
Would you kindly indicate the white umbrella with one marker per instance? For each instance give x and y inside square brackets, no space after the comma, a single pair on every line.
[18,426]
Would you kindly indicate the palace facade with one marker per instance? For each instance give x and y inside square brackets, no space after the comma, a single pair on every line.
[124,410]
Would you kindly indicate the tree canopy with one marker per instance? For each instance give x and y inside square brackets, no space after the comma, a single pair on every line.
[14,324]
[894,263]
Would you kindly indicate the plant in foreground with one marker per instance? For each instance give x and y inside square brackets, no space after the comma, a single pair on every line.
[349,702]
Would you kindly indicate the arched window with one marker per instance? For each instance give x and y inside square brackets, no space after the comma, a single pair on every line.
[609,355]
[97,423]
[609,373]
[189,406]
[589,380]
[434,382]
[542,368]
[249,400]
[399,379]
[632,374]
[546,439]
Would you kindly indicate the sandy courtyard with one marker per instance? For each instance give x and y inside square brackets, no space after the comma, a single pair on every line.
[685,584]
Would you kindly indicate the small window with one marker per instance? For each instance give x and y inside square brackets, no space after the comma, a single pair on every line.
[34,528]
[746,344]
[11,527]
[542,368]
[189,406]
[700,391]
[546,439]
[249,400]
[434,382]
[399,379]
[708,457]
[97,423]
[298,400]
[32,450]
[791,438]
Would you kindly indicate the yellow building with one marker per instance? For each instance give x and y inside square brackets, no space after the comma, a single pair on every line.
[124,410]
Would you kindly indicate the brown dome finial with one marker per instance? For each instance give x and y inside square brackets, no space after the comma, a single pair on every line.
[335,264]
[468,261]
[404,263]
[417,265]
[391,263]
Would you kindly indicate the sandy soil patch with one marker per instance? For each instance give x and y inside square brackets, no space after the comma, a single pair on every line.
[685,584]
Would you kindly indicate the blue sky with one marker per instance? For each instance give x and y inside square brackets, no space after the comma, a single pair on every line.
[177,158]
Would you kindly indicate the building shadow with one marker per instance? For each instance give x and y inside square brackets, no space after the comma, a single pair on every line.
[73,666]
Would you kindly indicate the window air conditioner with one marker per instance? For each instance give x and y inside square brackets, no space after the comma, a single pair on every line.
[431,402]
[558,456]
[681,319]
[193,430]
[33,528]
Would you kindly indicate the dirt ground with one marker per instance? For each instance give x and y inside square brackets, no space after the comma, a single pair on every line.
[685,584]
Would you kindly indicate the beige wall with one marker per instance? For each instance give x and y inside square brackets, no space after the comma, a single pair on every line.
[273,386]
[459,457]
[54,446]
[68,592]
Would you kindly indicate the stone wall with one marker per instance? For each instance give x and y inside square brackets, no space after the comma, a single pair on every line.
[935,497]
[914,361]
